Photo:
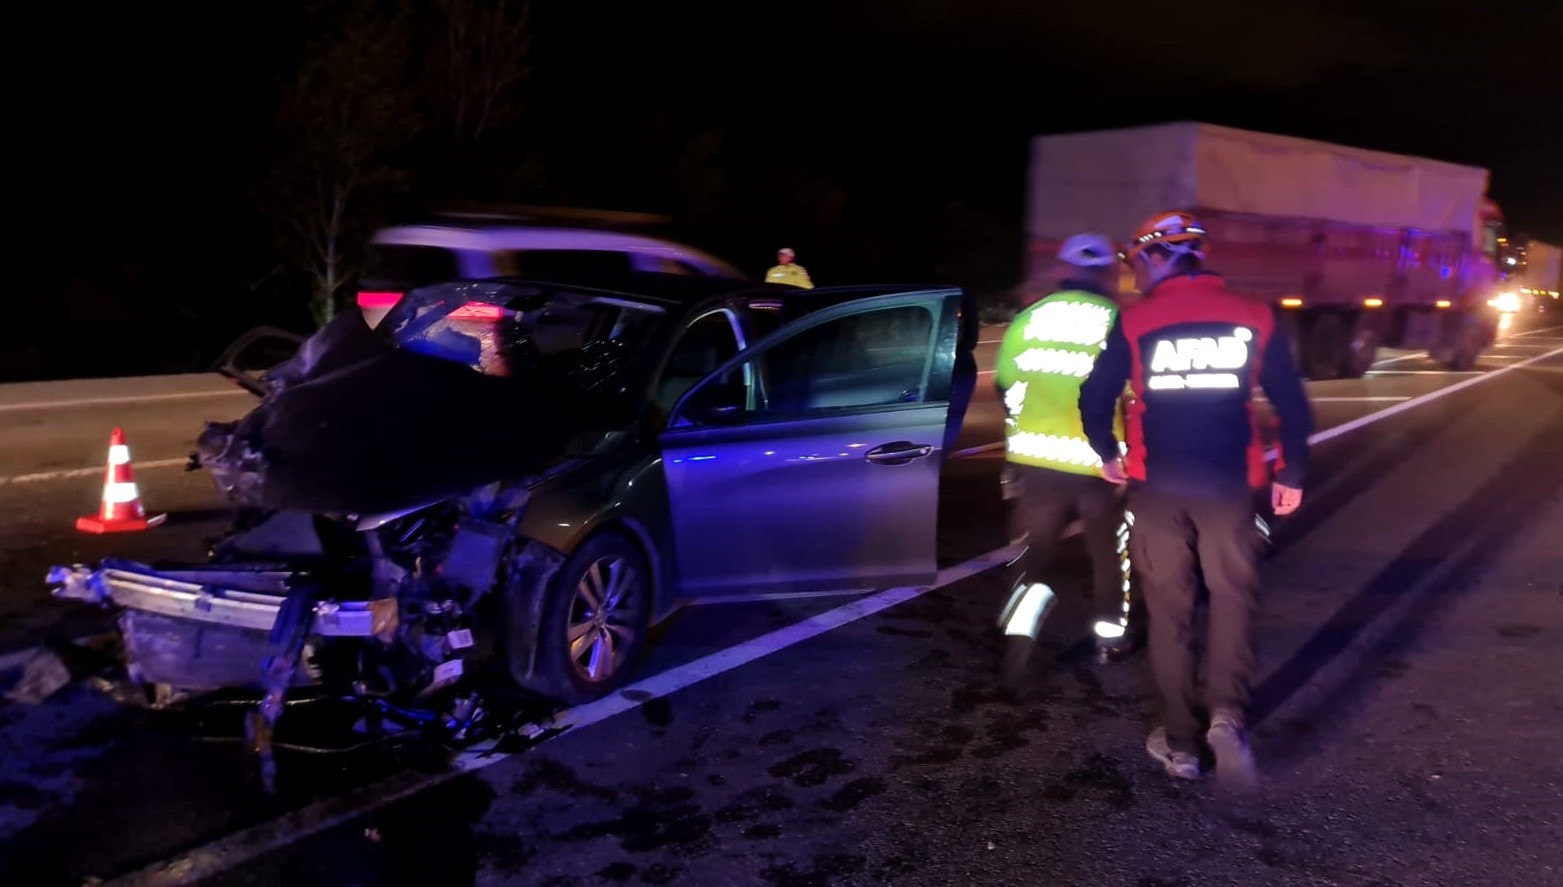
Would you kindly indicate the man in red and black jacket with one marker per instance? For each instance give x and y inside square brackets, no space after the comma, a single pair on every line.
[1192,352]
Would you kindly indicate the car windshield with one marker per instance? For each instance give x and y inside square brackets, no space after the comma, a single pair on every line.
[506,329]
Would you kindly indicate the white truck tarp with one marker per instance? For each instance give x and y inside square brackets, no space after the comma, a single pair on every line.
[1110,181]
[1546,266]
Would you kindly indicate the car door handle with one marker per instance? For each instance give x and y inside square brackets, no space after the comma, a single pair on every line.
[897,453]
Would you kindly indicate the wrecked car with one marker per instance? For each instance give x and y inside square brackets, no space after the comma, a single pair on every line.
[518,478]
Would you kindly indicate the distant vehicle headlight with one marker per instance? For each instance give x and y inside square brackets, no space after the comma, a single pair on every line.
[1509,303]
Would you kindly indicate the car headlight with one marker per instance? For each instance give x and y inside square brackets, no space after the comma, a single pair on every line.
[1508,303]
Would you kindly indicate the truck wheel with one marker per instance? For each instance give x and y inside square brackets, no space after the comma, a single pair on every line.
[1468,349]
[595,621]
[1324,348]
[1361,354]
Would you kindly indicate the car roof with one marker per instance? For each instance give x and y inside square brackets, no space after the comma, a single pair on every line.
[495,237]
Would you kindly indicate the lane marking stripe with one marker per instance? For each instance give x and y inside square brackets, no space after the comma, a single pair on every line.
[1397,409]
[1426,372]
[85,472]
[1355,399]
[109,401]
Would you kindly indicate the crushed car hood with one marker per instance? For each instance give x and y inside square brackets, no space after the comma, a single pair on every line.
[353,425]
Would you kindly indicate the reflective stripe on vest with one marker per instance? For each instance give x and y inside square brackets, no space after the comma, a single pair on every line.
[1058,342]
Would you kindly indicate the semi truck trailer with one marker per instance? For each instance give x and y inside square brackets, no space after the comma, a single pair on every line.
[1356,249]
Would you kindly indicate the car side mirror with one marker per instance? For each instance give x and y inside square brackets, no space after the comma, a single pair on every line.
[717,403]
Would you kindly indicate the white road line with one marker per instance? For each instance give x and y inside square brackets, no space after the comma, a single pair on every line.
[42,476]
[109,401]
[243,846]
[1549,329]
[1397,409]
[1398,359]
[1425,372]
[1356,399]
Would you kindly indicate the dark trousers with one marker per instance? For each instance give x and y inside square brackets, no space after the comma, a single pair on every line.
[1174,539]
[1048,500]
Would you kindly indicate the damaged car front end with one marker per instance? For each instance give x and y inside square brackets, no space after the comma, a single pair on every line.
[398,617]
[387,547]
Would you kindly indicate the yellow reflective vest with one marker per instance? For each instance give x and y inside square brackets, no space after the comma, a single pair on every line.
[1048,351]
[791,274]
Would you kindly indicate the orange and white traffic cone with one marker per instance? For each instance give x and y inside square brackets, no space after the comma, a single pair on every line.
[121,511]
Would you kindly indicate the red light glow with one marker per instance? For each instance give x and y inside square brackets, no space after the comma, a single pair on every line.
[371,299]
[480,311]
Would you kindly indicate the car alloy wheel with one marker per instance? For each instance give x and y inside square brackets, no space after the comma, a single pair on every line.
[603,623]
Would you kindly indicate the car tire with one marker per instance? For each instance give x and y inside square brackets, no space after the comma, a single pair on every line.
[595,621]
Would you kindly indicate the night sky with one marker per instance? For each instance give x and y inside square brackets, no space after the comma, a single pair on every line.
[877,81]
[140,128]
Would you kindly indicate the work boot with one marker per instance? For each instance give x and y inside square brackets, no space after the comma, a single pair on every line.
[1118,650]
[1022,618]
[1181,764]
[1113,644]
[1235,769]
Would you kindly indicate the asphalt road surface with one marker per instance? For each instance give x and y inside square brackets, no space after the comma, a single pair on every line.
[1407,718]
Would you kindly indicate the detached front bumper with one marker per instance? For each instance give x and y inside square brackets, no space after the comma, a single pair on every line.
[247,599]
[206,628]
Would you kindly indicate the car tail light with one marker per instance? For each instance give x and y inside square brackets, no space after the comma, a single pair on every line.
[375,299]
[480,311]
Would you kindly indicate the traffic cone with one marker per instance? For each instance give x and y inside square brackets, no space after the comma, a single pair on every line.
[121,511]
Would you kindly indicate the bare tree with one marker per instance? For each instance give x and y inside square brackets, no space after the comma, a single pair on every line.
[475,71]
[342,118]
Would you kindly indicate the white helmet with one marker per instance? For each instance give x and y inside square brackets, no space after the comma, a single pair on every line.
[1088,251]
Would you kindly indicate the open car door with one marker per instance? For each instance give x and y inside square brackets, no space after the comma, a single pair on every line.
[810,462]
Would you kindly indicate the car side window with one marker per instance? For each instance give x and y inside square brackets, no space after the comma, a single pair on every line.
[870,359]
[766,320]
[706,345]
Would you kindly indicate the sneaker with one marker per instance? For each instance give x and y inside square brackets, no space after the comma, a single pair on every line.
[1235,770]
[1180,764]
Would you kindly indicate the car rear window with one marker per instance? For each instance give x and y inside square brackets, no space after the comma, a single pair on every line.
[402,267]
[504,329]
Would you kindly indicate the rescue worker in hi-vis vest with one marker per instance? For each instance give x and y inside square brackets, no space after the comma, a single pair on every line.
[788,271]
[1047,353]
[1193,351]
